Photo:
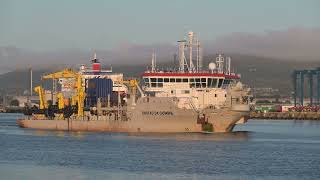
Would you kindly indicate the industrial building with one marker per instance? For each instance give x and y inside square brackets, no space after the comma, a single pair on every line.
[311,89]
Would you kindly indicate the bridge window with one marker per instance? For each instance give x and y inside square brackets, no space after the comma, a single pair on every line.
[185,91]
[160,79]
[172,80]
[153,79]
[220,83]
[153,84]
[212,82]
[146,80]
[209,82]
[184,80]
[178,80]
[215,83]
[226,82]
[199,82]
[166,79]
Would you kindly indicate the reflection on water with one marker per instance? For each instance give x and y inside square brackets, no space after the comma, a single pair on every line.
[56,172]
[232,136]
[257,150]
[76,134]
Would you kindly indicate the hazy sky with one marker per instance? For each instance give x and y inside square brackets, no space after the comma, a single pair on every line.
[59,24]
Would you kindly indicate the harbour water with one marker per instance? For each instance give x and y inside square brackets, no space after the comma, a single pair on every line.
[267,149]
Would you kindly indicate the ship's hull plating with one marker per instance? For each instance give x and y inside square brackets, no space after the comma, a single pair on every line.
[149,115]
[150,125]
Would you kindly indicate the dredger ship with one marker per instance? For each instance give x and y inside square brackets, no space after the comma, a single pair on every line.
[186,98]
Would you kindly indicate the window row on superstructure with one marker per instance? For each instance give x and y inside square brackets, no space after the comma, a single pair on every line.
[193,82]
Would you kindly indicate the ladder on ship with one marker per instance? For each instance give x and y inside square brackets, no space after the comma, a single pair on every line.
[192,105]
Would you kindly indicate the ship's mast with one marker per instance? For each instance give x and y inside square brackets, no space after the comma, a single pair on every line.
[153,62]
[95,56]
[189,46]
[190,35]
[199,56]
[219,62]
[228,65]
[182,59]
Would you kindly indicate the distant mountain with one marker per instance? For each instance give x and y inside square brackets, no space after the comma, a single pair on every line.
[292,44]
[255,71]
[13,58]
[266,72]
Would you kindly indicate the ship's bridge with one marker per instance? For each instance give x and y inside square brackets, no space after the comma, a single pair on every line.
[157,80]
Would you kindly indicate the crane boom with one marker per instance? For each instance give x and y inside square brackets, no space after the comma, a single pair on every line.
[134,85]
[66,73]
[43,102]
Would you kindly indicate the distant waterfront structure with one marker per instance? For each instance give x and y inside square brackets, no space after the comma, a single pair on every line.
[298,77]
[31,86]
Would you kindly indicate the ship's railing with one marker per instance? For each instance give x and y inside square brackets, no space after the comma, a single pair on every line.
[240,100]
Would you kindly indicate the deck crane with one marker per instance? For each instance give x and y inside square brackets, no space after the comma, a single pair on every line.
[133,85]
[80,95]
[43,101]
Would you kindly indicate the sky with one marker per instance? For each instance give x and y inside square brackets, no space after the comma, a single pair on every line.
[49,25]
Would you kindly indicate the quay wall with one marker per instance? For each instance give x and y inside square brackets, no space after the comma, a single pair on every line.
[286,115]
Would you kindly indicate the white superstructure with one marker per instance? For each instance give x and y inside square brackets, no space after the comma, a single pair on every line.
[192,85]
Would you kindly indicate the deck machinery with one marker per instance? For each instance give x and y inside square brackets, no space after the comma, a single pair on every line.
[81,91]
[61,107]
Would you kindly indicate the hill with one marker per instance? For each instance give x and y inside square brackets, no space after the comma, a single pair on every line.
[255,71]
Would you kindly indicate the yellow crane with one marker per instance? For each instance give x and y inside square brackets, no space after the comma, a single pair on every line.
[133,86]
[78,98]
[60,100]
[42,97]
[66,73]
